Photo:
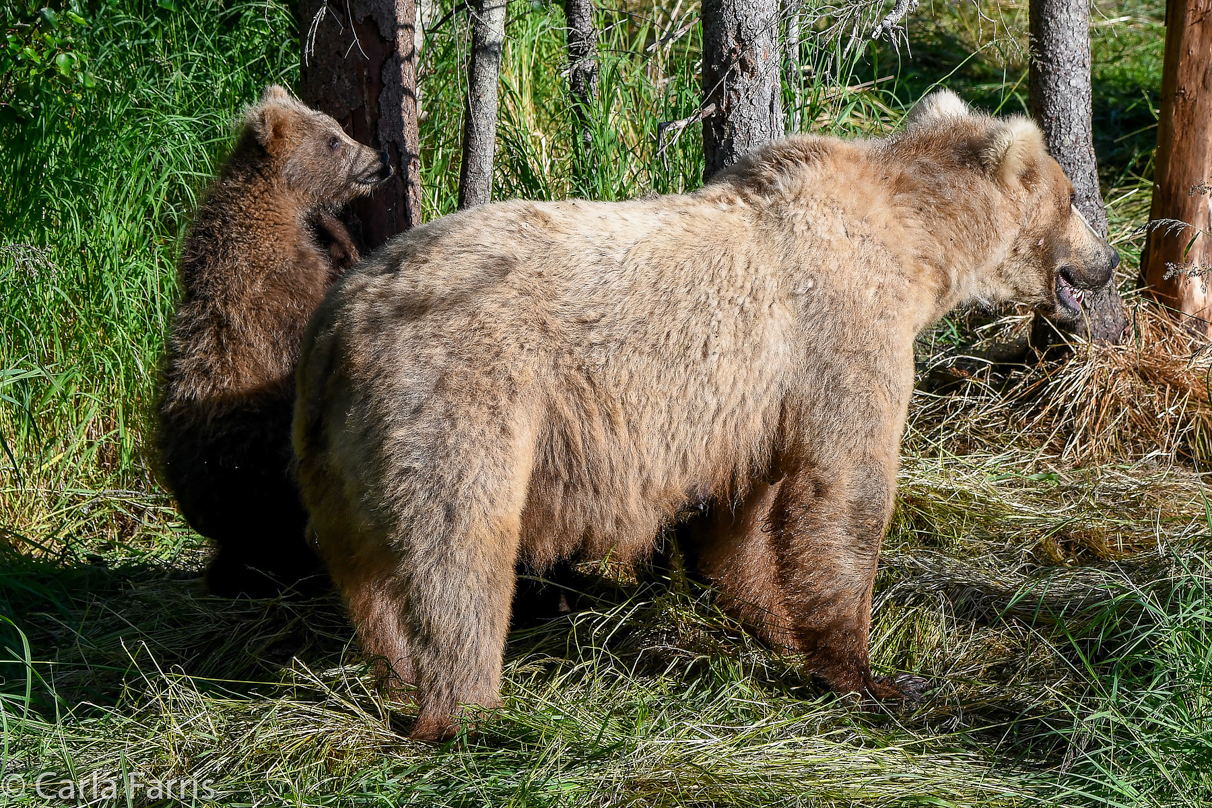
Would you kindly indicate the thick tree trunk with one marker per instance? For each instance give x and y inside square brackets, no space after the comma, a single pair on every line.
[1178,278]
[1061,102]
[480,113]
[359,66]
[582,73]
[741,60]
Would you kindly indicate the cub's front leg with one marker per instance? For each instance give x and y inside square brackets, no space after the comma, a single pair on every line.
[335,237]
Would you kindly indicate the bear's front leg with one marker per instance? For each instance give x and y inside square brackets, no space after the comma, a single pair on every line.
[825,528]
[336,238]
[734,550]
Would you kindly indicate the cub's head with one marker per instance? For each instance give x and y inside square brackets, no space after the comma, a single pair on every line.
[1051,255]
[311,152]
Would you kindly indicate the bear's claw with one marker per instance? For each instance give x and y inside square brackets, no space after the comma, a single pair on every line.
[910,688]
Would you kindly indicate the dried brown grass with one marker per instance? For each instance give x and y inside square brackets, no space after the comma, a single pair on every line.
[1145,399]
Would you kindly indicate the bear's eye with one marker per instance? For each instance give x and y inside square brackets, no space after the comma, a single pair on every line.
[1073,197]
[334,143]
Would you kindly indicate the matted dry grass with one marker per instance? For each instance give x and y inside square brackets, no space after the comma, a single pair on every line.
[1145,399]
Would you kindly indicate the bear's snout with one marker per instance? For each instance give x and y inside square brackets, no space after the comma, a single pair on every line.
[1101,272]
[374,167]
[1073,281]
[1112,265]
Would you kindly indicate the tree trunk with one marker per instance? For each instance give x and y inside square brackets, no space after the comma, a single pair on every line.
[480,114]
[582,74]
[425,10]
[1176,277]
[795,67]
[359,66]
[1061,102]
[741,61]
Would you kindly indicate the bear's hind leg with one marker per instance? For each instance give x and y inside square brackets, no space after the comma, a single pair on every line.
[459,600]
[375,603]
[364,567]
[460,528]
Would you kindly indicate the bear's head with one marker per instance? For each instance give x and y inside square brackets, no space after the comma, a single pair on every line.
[311,152]
[1051,255]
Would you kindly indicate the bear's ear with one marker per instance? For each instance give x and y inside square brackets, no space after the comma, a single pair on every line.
[1013,149]
[270,118]
[269,124]
[275,94]
[937,106]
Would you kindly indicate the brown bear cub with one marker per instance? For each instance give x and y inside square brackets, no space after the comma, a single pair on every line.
[263,248]
[538,380]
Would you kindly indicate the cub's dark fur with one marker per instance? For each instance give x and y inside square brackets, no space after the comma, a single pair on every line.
[263,249]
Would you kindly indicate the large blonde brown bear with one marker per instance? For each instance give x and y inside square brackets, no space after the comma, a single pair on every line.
[536,380]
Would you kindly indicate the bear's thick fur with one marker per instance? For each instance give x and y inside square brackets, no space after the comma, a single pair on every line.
[538,380]
[264,247]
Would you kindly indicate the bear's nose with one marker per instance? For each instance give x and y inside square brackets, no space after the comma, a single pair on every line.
[1114,260]
[385,171]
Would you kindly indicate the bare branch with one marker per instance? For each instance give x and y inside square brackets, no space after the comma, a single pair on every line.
[679,126]
[674,35]
[892,22]
[309,41]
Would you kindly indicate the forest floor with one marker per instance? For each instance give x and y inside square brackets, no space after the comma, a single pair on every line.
[1046,570]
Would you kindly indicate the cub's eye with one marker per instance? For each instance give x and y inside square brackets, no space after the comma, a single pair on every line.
[334,143]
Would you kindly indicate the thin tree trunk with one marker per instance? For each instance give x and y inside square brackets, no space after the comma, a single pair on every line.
[1061,102]
[582,73]
[741,60]
[1176,277]
[423,19]
[480,114]
[359,66]
[795,67]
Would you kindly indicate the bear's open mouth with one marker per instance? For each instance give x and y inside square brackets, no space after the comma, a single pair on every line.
[374,177]
[1067,293]
[375,173]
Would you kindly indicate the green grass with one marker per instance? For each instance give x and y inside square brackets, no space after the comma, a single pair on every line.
[1060,612]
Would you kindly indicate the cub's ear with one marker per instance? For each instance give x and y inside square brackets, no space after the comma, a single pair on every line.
[937,106]
[270,118]
[275,94]
[269,124]
[1014,149]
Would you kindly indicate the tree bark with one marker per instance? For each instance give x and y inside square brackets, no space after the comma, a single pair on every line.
[359,66]
[582,73]
[480,113]
[1176,277]
[741,60]
[1061,102]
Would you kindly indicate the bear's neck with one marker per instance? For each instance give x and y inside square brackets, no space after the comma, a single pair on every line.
[949,233]
[937,229]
